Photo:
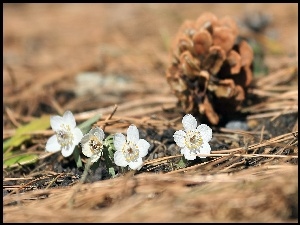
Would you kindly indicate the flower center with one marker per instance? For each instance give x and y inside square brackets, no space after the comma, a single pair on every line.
[130,151]
[193,140]
[95,144]
[64,136]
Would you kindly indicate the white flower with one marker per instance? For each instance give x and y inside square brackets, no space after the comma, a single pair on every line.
[66,136]
[92,144]
[130,151]
[193,140]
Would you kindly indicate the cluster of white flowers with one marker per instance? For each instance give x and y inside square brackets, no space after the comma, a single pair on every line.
[129,150]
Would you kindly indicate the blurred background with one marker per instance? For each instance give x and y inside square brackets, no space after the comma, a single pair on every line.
[86,56]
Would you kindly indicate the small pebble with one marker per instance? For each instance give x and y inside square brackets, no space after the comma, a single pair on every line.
[237,125]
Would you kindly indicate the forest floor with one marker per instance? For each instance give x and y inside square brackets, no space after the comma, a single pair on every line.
[111,60]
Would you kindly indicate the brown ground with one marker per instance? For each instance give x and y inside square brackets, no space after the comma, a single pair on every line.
[46,47]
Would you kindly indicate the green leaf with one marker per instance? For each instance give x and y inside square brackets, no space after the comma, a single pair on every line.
[107,158]
[18,160]
[109,143]
[95,165]
[111,171]
[86,125]
[22,135]
[181,163]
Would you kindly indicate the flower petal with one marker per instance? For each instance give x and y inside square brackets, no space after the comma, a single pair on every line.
[204,149]
[119,141]
[137,164]
[143,146]
[56,122]
[95,157]
[189,122]
[66,152]
[187,154]
[205,131]
[120,159]
[69,119]
[98,132]
[179,137]
[133,134]
[77,136]
[52,144]
[85,139]
[86,149]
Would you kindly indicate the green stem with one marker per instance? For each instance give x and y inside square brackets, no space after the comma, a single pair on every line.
[82,179]
[77,157]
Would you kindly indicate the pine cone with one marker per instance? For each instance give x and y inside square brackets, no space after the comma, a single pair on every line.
[211,67]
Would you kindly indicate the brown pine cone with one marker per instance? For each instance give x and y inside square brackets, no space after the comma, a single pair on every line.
[211,67]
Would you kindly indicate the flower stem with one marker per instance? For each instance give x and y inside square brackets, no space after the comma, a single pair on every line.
[83,177]
[77,157]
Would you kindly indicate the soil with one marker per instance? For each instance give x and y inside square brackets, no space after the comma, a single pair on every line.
[89,58]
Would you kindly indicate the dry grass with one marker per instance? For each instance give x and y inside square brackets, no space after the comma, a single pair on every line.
[248,196]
